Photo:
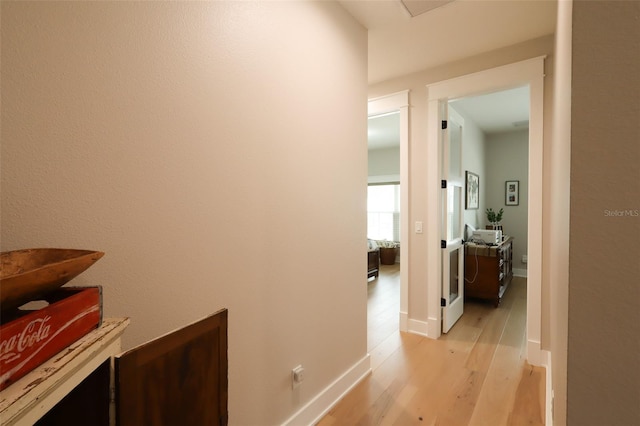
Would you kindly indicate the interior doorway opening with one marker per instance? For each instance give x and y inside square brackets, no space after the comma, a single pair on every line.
[526,73]
[396,107]
[486,137]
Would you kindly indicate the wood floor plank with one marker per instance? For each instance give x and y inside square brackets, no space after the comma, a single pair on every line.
[528,406]
[385,349]
[437,382]
[475,375]
[379,409]
[399,405]
[496,398]
[460,404]
[495,401]
[482,353]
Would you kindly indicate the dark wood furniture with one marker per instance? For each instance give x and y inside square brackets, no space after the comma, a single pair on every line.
[388,255]
[373,260]
[177,379]
[488,270]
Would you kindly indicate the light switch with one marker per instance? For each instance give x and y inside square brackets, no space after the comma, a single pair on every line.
[418,227]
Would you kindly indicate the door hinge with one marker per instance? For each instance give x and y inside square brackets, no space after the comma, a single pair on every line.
[444,124]
[443,184]
[443,244]
[443,302]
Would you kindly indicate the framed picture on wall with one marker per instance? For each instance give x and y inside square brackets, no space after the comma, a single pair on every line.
[472,189]
[512,193]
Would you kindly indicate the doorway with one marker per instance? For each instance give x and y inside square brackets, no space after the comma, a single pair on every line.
[486,137]
[526,73]
[398,103]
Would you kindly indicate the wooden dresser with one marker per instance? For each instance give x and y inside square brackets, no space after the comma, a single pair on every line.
[488,270]
[180,378]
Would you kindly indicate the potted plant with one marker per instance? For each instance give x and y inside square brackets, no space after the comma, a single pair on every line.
[494,219]
[388,251]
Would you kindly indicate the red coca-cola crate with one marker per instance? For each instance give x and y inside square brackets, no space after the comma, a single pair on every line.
[30,337]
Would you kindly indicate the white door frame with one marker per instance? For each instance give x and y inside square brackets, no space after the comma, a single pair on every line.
[399,101]
[529,72]
[451,309]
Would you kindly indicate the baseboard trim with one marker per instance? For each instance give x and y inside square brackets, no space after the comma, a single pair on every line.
[542,358]
[434,330]
[520,273]
[429,328]
[535,355]
[404,321]
[320,405]
[418,327]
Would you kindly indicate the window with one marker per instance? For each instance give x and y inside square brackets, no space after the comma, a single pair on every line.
[383,212]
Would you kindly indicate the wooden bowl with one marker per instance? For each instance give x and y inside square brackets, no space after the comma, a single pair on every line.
[30,274]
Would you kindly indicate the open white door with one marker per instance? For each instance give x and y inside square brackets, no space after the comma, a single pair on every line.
[452,254]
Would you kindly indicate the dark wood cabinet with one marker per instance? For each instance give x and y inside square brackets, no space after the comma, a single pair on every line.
[179,378]
[373,260]
[488,270]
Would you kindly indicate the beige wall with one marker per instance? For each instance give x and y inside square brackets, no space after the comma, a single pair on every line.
[182,139]
[508,159]
[604,262]
[416,83]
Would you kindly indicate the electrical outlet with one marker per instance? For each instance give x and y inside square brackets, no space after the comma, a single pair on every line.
[524,258]
[297,376]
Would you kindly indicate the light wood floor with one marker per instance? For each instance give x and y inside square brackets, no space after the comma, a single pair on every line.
[474,375]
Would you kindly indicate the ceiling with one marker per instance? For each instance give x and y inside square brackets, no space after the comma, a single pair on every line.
[406,36]
[400,44]
[384,131]
[497,112]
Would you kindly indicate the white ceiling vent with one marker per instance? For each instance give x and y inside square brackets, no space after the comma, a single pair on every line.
[418,7]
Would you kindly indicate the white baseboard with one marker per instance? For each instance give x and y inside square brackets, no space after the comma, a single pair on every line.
[520,273]
[320,405]
[542,358]
[534,353]
[429,328]
[434,328]
[404,321]
[418,327]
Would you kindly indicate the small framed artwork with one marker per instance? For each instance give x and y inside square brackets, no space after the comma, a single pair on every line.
[512,193]
[472,189]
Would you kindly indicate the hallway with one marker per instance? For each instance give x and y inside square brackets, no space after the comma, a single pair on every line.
[474,375]
[382,307]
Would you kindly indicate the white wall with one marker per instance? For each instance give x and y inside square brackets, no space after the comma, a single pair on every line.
[182,139]
[507,157]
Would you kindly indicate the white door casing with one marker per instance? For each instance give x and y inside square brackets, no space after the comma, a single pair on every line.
[529,72]
[452,224]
